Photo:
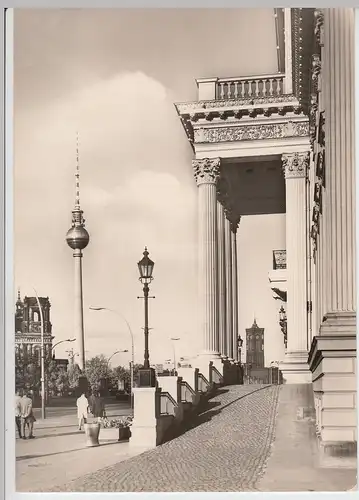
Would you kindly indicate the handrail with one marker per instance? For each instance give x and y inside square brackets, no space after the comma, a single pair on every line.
[168,404]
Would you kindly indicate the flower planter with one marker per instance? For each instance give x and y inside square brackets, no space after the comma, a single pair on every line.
[92,432]
[124,433]
[109,434]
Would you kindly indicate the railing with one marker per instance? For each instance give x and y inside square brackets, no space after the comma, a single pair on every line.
[250,87]
[214,375]
[203,383]
[187,393]
[279,259]
[168,404]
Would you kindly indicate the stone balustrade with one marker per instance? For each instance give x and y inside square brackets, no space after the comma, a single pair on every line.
[248,87]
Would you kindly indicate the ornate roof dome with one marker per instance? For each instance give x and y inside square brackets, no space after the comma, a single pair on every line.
[77,238]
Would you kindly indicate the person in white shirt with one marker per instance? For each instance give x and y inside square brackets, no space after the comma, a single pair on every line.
[82,409]
[18,411]
[27,416]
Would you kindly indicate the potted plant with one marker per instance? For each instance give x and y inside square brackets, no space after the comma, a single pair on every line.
[120,426]
[92,431]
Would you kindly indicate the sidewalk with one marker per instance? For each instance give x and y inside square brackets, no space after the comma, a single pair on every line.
[294,464]
[58,454]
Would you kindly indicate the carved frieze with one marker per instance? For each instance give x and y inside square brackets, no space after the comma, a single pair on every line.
[319,26]
[321,129]
[316,69]
[295,165]
[251,132]
[234,220]
[206,170]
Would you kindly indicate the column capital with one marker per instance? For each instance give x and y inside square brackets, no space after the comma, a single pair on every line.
[295,165]
[206,170]
[235,220]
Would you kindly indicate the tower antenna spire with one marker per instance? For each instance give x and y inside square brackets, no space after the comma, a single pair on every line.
[77,175]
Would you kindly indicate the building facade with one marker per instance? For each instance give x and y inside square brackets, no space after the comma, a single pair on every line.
[28,326]
[284,143]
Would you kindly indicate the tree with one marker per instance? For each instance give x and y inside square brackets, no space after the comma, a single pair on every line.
[96,369]
[57,379]
[27,370]
[73,375]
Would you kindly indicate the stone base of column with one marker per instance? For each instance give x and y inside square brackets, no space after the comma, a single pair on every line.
[340,323]
[332,360]
[295,368]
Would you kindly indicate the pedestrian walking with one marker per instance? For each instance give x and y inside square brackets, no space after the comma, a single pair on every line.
[97,406]
[82,409]
[18,395]
[27,415]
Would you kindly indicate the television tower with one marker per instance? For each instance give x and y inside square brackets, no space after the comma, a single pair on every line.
[78,238]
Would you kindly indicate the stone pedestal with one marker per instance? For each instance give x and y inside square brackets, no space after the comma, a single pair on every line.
[146,413]
[295,366]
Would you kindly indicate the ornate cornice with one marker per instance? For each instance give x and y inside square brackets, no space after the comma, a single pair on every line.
[251,132]
[302,43]
[207,170]
[295,165]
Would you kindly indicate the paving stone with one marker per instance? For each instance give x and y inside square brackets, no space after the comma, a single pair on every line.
[226,452]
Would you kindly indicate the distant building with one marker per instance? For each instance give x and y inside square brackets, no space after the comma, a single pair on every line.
[255,346]
[28,326]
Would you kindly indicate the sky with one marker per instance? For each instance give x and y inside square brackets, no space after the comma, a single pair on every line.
[113,76]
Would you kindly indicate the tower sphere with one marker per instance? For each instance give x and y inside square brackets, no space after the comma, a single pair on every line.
[77,238]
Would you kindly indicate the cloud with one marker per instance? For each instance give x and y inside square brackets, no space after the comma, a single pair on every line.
[136,189]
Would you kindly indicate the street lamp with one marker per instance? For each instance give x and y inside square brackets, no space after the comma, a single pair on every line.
[240,345]
[61,342]
[145,267]
[283,324]
[174,354]
[132,363]
[43,414]
[112,355]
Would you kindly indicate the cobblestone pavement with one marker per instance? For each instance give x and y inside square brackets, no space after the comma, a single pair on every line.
[225,450]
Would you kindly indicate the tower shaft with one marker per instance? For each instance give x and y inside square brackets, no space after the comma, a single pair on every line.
[78,309]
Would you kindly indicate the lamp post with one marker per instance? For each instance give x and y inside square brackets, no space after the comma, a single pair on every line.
[283,324]
[112,355]
[43,413]
[174,354]
[72,355]
[240,345]
[61,342]
[145,267]
[132,362]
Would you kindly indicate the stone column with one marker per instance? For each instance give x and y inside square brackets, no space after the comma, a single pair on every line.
[295,367]
[340,179]
[229,289]
[221,280]
[234,227]
[206,172]
[333,353]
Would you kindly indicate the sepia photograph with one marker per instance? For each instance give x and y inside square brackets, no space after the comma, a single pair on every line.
[184,197]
